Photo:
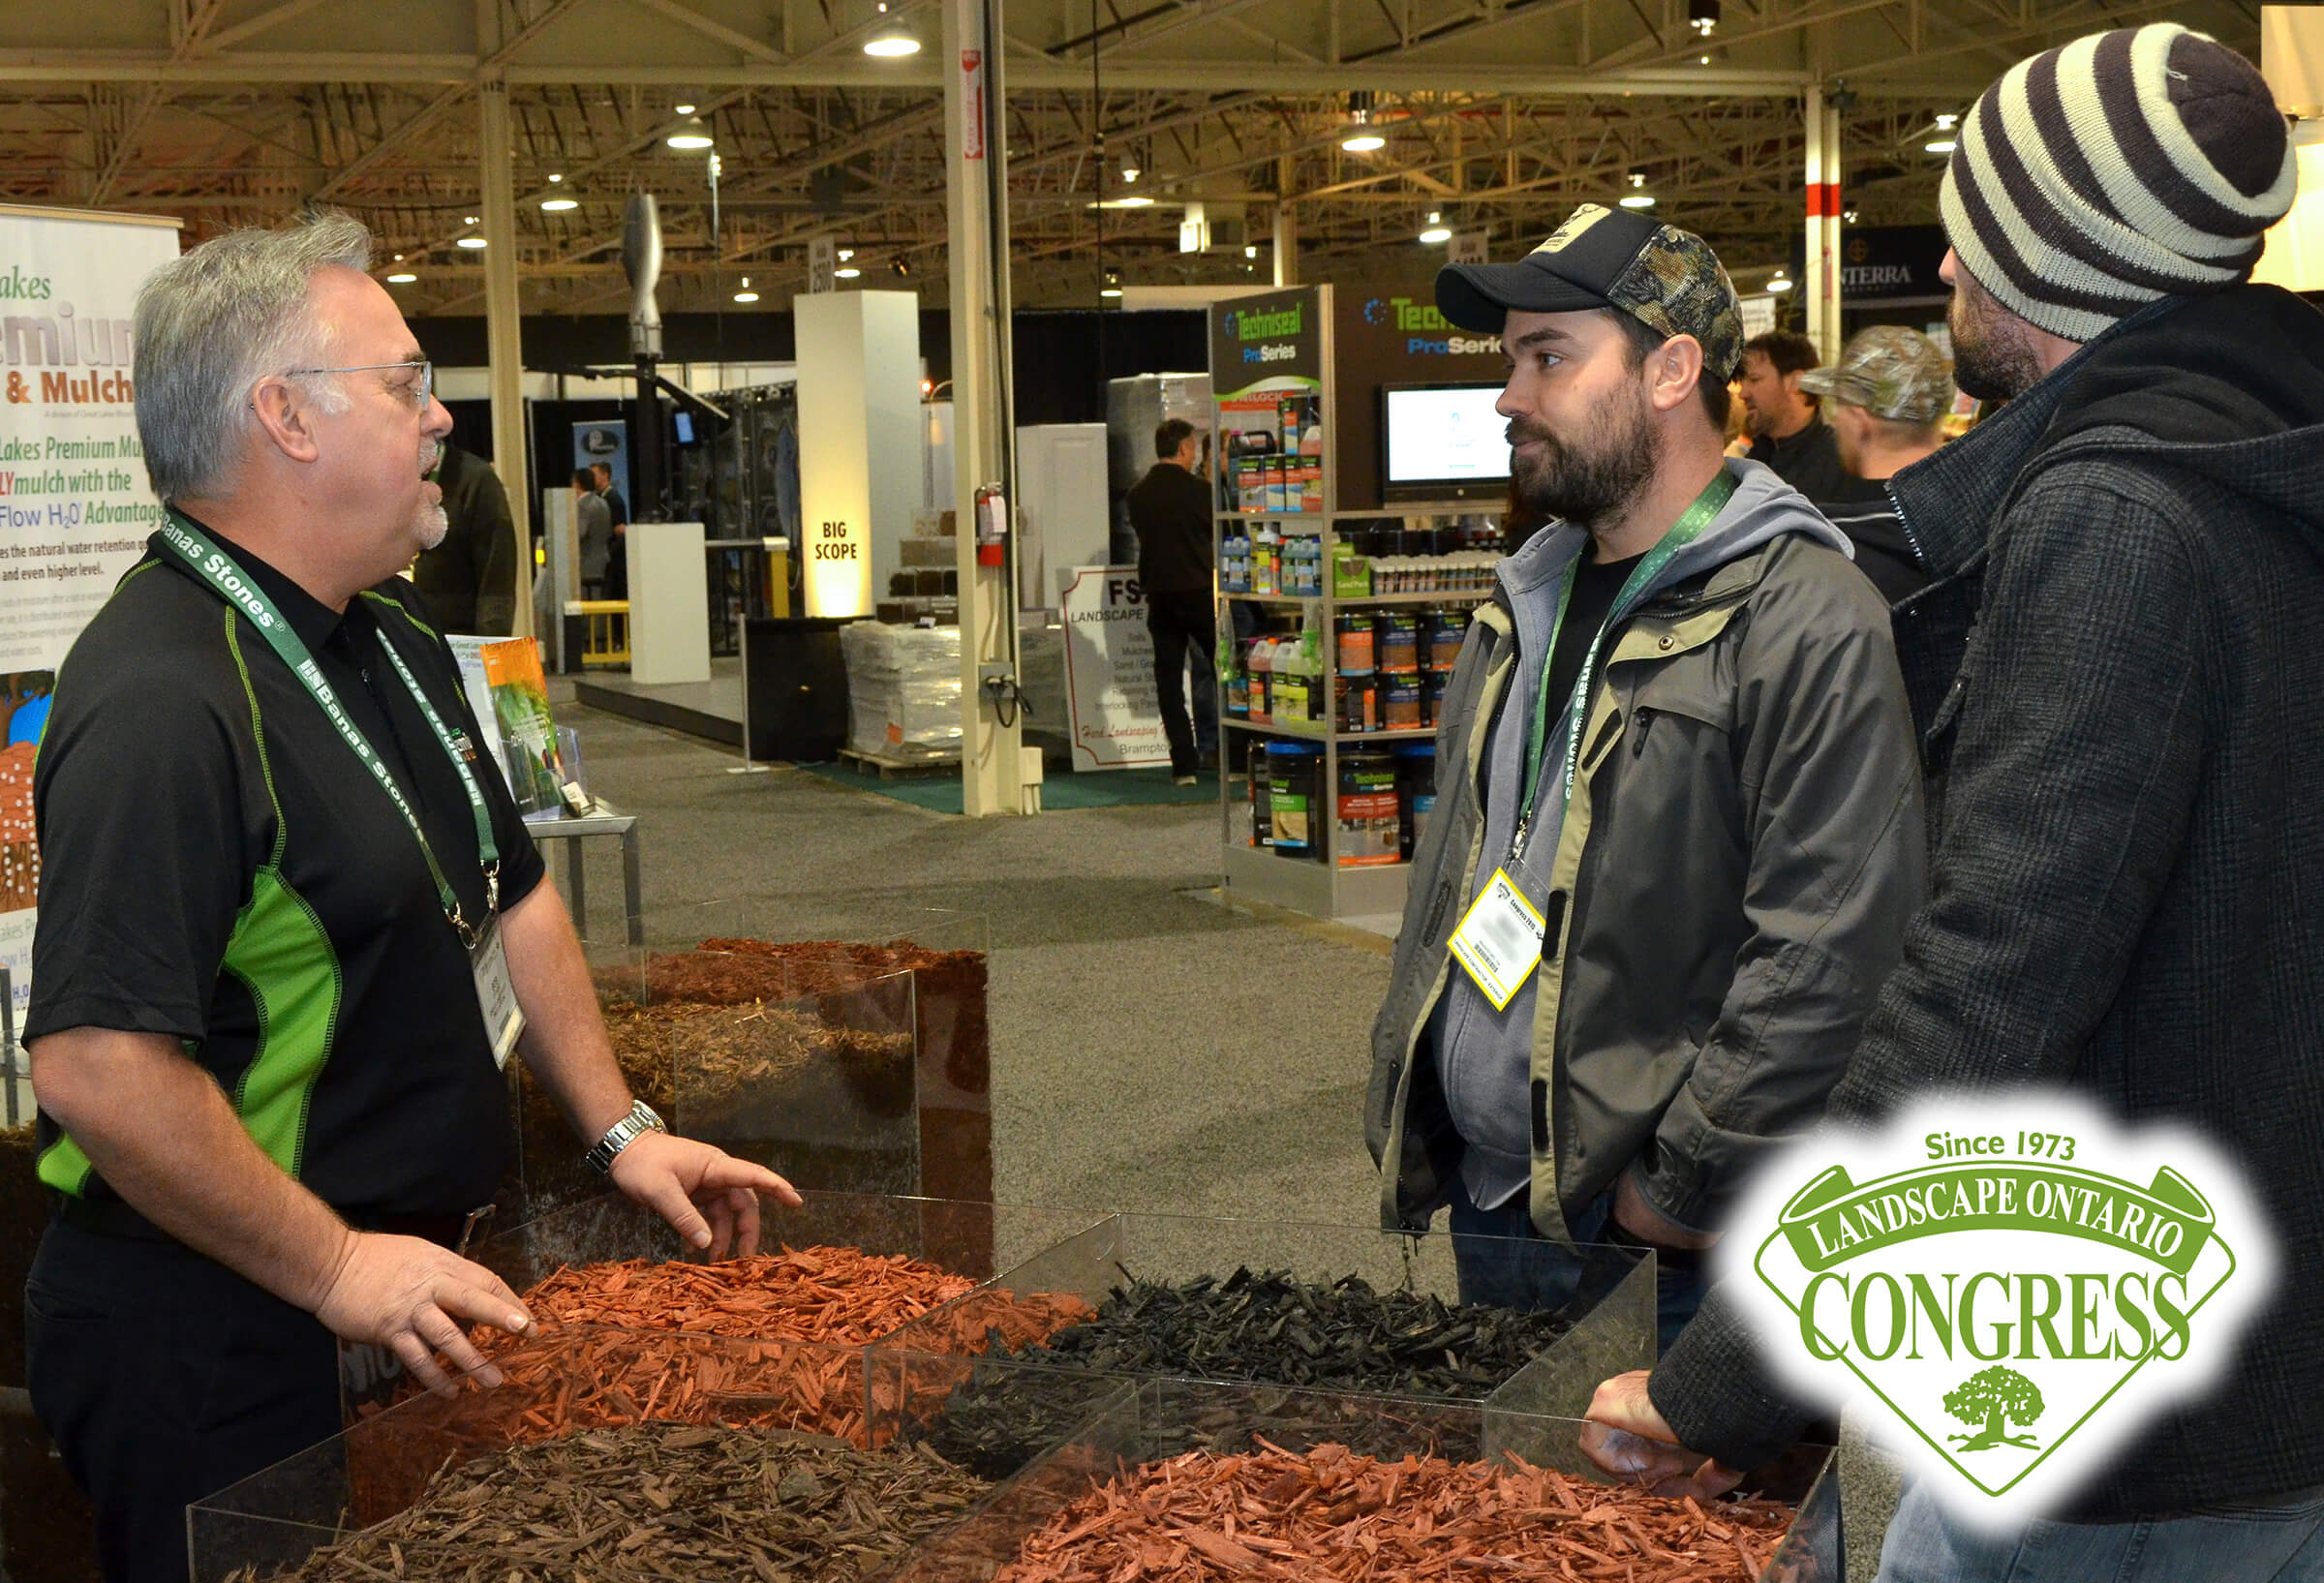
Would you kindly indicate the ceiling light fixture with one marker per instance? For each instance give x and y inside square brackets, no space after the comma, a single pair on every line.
[558,205]
[691,135]
[1941,145]
[845,254]
[470,221]
[901,268]
[555,177]
[402,277]
[1129,173]
[1136,200]
[1638,197]
[1362,138]
[1781,283]
[745,296]
[469,242]
[1250,250]
[1437,230]
[846,272]
[1702,16]
[1946,120]
[1704,60]
[1848,216]
[891,40]
[685,108]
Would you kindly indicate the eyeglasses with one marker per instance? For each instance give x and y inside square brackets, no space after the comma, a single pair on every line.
[420,394]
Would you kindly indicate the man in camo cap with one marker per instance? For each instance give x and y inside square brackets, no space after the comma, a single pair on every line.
[1680,790]
[1885,401]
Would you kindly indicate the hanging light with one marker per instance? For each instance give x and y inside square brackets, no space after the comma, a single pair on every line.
[1848,216]
[1134,200]
[555,177]
[1782,283]
[402,277]
[891,40]
[558,205]
[1129,174]
[1941,145]
[845,254]
[691,135]
[1638,197]
[846,272]
[470,221]
[469,242]
[1436,230]
[1362,138]
[1702,16]
[1112,286]
[746,294]
[683,108]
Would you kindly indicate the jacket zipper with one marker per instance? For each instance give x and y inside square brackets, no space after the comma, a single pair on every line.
[1889,488]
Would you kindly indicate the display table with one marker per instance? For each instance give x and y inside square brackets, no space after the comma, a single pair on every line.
[606,820]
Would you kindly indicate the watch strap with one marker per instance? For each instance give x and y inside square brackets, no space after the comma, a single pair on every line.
[640,1121]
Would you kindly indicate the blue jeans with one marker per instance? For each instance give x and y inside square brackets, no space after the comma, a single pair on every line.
[1531,1273]
[2234,1544]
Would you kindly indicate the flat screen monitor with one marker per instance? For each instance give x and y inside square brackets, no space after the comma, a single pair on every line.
[1442,442]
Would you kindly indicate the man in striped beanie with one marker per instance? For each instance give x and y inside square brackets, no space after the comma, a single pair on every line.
[2127,894]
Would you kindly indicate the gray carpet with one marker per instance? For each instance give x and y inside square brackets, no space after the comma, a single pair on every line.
[1151,1048]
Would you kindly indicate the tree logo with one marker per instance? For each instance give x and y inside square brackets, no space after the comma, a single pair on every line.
[1989,1396]
[2014,1302]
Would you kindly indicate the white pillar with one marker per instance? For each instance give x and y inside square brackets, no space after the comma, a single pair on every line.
[1287,222]
[1833,271]
[993,767]
[1811,286]
[859,410]
[503,340]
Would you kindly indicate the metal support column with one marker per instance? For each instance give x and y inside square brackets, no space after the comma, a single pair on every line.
[503,340]
[1820,285]
[993,777]
[1287,228]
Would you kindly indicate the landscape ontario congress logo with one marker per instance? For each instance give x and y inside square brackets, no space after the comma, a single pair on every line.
[2005,1290]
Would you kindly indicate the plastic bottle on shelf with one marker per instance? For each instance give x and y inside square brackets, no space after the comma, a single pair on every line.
[1263,685]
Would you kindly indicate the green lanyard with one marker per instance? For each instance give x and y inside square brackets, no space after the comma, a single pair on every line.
[215,567]
[1684,532]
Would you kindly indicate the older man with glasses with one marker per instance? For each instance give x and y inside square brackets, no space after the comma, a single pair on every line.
[292,927]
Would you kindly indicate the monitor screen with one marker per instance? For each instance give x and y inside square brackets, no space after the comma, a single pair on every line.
[686,428]
[1446,435]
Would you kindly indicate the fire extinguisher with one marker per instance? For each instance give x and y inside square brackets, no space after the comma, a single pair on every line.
[992,524]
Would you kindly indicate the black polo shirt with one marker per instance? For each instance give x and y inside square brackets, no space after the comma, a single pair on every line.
[217,865]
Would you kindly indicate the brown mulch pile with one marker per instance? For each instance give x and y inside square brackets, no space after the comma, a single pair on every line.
[1331,1514]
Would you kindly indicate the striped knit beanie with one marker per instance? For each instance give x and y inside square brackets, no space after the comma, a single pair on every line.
[2124,166]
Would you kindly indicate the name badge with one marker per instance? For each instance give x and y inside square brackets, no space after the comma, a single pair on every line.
[1500,940]
[496,993]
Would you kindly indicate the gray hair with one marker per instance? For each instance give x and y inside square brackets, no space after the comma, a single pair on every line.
[213,323]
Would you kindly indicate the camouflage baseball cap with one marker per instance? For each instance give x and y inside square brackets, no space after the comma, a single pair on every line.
[1890,372]
[1667,279]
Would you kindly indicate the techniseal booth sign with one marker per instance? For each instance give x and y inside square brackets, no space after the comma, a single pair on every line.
[2005,1290]
[76,508]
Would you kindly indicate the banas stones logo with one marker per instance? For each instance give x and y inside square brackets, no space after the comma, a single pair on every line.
[2004,1289]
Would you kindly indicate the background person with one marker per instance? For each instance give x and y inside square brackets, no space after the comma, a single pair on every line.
[593,532]
[1787,433]
[2126,896]
[468,579]
[1885,401]
[617,565]
[1170,512]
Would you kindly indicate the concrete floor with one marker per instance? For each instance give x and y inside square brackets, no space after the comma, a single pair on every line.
[1152,1049]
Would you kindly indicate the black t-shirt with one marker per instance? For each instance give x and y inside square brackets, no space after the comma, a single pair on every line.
[1596,586]
[1170,510]
[1809,461]
[217,865]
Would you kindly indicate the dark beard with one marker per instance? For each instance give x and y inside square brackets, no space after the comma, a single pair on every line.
[1588,478]
[1992,361]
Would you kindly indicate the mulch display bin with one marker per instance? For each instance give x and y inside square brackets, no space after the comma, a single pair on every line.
[1315,1307]
[842,1269]
[1190,1479]
[608,1455]
[687,1456]
[916,1116]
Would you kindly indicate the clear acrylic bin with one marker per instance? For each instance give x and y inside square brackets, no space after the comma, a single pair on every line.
[1142,1423]
[1611,1325]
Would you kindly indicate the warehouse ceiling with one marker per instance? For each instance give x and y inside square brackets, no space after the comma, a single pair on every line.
[1497,115]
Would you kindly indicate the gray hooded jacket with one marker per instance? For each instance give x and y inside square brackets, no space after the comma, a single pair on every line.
[1725,894]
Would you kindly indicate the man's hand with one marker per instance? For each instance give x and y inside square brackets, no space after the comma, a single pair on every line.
[1627,1436]
[408,1294]
[707,1194]
[1649,1225]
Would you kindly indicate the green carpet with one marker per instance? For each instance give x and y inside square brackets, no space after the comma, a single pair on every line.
[940,793]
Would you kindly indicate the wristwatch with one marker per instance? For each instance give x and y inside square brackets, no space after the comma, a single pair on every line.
[621,1134]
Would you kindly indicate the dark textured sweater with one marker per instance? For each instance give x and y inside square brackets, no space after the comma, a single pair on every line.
[1170,508]
[2120,670]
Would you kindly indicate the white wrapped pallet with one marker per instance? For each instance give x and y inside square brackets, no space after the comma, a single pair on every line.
[904,689]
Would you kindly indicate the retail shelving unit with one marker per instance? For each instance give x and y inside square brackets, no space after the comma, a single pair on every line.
[1325,888]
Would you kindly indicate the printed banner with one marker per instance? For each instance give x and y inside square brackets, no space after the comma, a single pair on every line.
[1110,672]
[76,508]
